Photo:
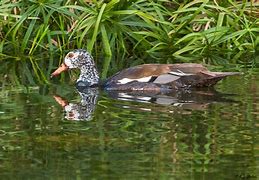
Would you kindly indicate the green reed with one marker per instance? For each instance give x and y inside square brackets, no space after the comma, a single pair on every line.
[131,32]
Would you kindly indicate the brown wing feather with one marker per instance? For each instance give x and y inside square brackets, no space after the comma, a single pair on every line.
[189,68]
[144,71]
[190,75]
[156,70]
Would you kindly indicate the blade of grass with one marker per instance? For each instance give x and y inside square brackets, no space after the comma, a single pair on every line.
[107,50]
[38,38]
[29,31]
[96,28]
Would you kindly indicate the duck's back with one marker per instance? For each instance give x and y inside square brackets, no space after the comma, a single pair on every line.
[163,76]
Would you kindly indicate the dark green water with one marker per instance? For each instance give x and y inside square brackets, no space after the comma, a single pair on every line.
[200,135]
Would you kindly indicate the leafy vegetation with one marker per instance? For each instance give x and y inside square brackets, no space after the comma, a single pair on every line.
[35,35]
[124,33]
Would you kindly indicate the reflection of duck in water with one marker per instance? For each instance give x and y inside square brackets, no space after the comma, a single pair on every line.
[193,100]
[147,77]
[185,100]
[82,110]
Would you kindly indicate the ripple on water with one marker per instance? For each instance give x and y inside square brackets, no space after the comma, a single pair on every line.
[196,137]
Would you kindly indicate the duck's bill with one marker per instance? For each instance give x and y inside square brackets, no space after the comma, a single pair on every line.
[60,101]
[60,69]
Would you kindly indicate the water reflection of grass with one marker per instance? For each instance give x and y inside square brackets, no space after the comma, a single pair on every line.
[167,31]
[219,140]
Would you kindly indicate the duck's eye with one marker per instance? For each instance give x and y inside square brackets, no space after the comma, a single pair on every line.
[70,55]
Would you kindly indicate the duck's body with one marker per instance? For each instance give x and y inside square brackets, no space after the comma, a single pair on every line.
[147,77]
[158,77]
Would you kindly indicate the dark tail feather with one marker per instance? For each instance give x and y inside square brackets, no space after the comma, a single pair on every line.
[217,76]
[221,74]
[204,79]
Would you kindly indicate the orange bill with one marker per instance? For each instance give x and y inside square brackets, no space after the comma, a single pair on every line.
[60,69]
[60,101]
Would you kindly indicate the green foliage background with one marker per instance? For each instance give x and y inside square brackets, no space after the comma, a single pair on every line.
[35,35]
[129,32]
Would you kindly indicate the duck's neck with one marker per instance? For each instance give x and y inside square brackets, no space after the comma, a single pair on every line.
[88,77]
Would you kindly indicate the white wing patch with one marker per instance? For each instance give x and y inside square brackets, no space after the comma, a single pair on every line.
[162,79]
[179,73]
[165,78]
[127,80]
[170,77]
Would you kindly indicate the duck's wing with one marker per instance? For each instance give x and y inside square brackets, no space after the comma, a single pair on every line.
[158,73]
[174,75]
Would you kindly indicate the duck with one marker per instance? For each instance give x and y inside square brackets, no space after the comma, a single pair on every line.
[145,77]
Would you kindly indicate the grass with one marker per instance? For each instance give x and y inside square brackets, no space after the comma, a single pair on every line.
[125,33]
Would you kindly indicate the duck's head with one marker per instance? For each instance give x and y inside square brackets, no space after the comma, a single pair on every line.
[77,58]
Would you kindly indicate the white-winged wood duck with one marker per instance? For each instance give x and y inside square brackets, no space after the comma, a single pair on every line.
[146,77]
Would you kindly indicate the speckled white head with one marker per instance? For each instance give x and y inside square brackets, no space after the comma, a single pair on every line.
[78,58]
[82,60]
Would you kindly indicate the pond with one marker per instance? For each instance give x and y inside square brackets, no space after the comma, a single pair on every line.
[55,132]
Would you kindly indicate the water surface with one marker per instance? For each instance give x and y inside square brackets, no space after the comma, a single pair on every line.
[202,135]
